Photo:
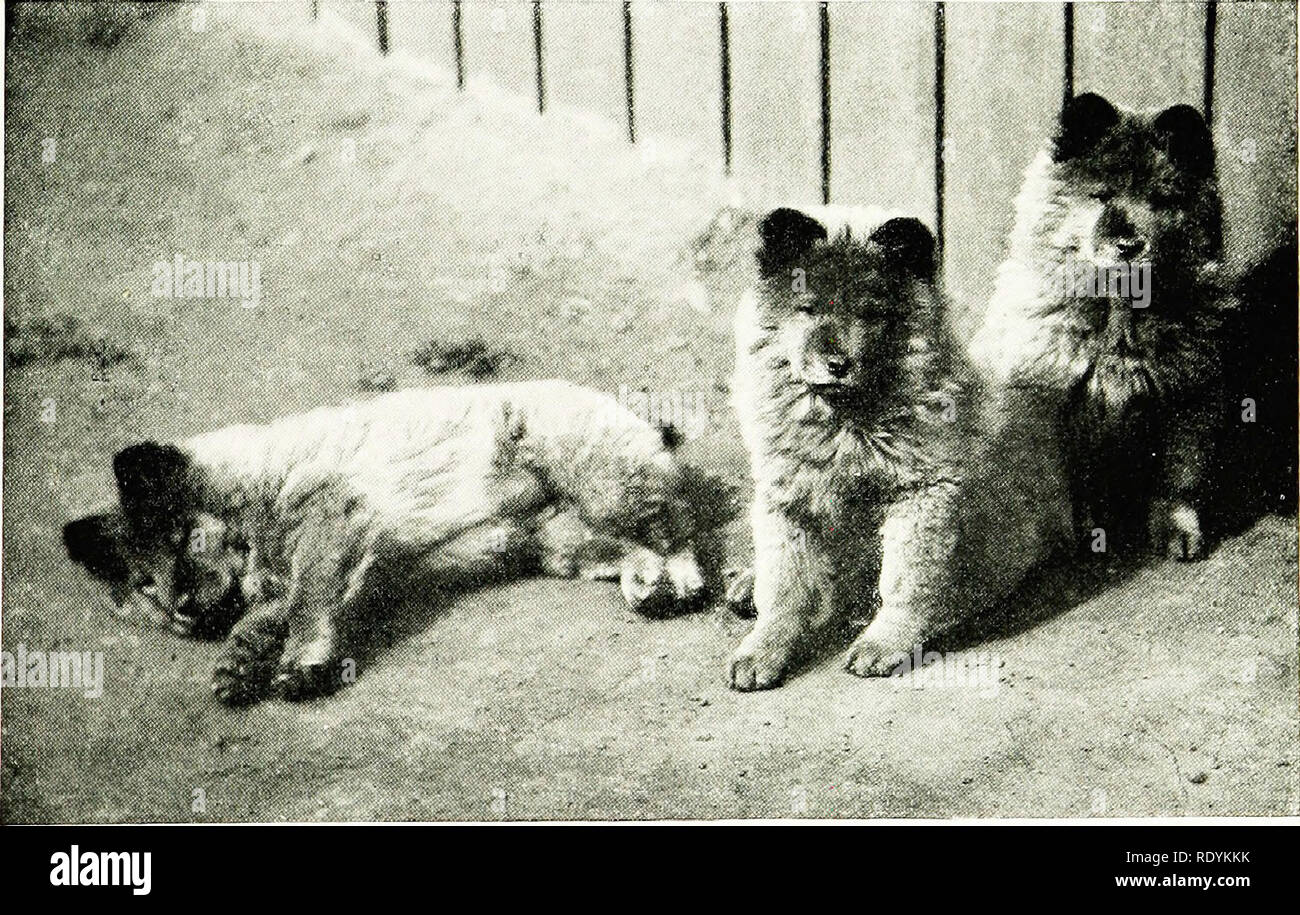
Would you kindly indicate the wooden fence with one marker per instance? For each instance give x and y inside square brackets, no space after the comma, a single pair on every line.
[932,108]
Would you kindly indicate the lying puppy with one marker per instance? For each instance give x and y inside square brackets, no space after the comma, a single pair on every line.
[888,481]
[292,524]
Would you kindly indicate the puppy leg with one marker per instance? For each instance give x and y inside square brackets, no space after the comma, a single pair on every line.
[657,586]
[918,575]
[323,595]
[244,671]
[1175,521]
[652,584]
[791,584]
[310,665]
[634,496]
[569,548]
[330,556]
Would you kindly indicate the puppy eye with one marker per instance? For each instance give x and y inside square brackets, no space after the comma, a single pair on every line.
[145,584]
[1103,196]
[804,306]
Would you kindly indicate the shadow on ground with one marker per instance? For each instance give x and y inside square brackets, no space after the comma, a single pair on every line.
[1166,689]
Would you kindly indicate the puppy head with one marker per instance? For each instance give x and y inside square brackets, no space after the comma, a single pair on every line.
[158,553]
[845,311]
[1134,187]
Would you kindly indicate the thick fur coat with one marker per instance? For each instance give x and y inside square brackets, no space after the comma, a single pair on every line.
[303,519]
[890,483]
[1134,382]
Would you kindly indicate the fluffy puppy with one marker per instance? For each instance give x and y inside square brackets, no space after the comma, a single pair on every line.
[296,522]
[888,482]
[1109,302]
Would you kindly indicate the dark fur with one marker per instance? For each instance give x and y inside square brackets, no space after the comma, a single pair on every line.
[862,439]
[1140,388]
[1257,465]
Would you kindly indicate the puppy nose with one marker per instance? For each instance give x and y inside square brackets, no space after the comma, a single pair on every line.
[1130,248]
[838,366]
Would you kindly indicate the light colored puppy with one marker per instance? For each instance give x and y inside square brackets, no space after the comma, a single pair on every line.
[303,519]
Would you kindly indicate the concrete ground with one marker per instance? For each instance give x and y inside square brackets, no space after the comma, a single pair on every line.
[1159,690]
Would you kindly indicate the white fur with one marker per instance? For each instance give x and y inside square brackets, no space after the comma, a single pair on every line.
[445,487]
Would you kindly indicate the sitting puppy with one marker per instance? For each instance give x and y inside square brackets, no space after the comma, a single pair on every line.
[293,523]
[1110,301]
[888,480]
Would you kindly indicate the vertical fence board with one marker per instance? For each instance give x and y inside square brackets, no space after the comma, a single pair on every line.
[1255,127]
[675,54]
[1140,54]
[422,29]
[1004,85]
[498,40]
[881,94]
[584,56]
[775,102]
[882,106]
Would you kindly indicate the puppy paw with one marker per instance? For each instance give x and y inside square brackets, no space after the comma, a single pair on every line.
[309,681]
[740,592]
[758,663]
[658,586]
[244,671]
[868,657]
[687,579]
[310,670]
[1176,531]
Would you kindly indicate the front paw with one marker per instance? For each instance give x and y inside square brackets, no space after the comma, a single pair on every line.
[244,671]
[869,657]
[759,663]
[1176,531]
[301,682]
[658,586]
[311,670]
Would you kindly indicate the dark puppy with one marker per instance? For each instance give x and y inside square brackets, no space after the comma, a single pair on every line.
[1110,301]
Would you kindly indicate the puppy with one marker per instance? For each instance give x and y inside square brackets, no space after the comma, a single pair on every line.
[1109,301]
[888,481]
[295,523]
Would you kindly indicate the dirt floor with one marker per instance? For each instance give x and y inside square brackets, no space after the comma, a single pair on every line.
[1167,689]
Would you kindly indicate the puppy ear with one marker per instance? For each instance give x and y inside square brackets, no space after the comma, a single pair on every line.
[908,244]
[153,483]
[787,236]
[1186,139]
[1085,119]
[95,542]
